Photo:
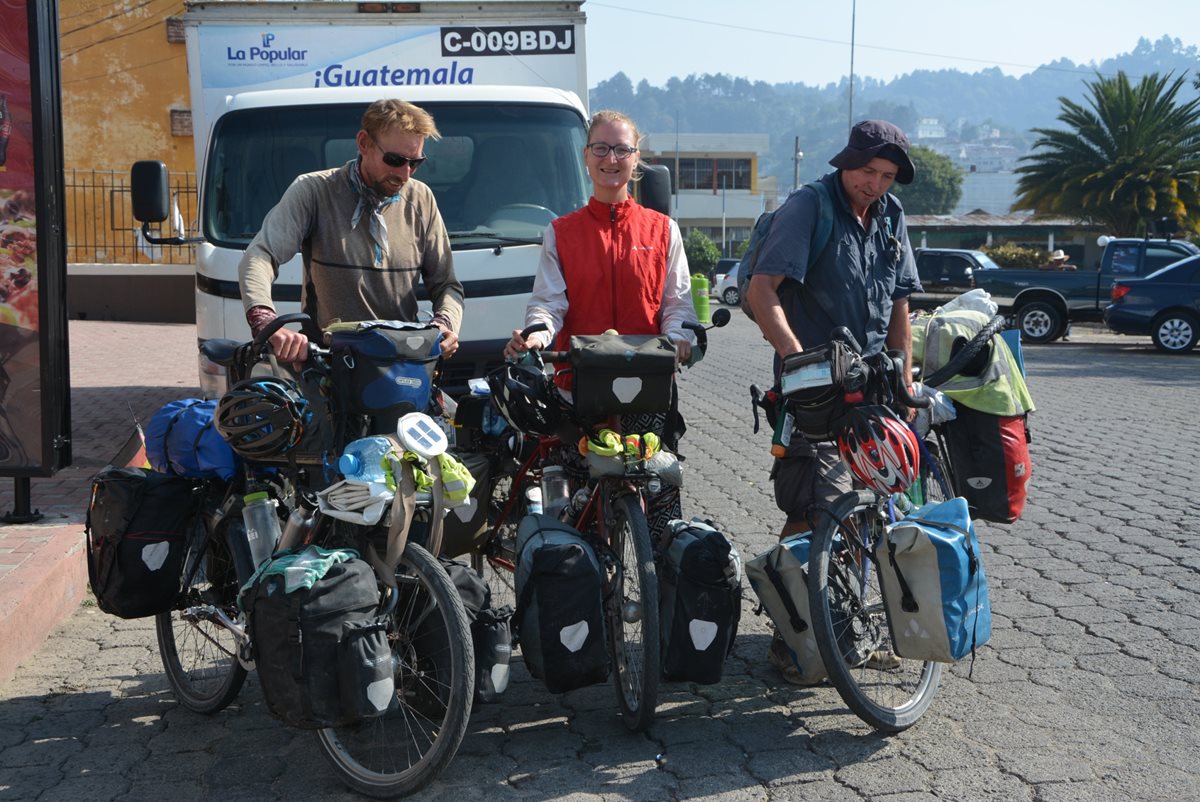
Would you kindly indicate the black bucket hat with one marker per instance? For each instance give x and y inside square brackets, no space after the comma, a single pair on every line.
[871,138]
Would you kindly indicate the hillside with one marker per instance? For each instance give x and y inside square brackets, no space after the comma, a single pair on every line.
[968,104]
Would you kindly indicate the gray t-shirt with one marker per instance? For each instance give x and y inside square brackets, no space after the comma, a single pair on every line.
[855,279]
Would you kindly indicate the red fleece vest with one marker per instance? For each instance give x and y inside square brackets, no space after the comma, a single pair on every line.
[614,260]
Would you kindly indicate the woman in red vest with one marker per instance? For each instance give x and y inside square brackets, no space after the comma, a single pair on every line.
[613,264]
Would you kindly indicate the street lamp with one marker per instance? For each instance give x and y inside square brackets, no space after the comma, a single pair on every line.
[796,165]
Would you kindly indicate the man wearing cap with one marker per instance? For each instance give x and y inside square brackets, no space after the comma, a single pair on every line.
[861,280]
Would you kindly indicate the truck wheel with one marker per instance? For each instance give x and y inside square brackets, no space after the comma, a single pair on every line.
[1175,332]
[1040,322]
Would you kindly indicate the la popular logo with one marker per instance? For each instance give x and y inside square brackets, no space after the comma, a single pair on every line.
[267,53]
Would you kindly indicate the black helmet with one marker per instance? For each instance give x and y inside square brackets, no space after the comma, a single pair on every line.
[262,417]
[526,398]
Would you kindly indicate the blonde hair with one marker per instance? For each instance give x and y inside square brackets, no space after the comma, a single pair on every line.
[610,116]
[394,114]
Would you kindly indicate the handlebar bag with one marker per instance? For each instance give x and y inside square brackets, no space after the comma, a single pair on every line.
[385,370]
[621,374]
[560,605]
[138,527]
[934,589]
[779,577]
[700,582]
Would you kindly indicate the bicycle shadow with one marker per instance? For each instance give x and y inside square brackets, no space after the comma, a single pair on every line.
[749,732]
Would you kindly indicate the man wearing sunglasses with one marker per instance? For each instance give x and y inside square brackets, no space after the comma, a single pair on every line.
[368,232]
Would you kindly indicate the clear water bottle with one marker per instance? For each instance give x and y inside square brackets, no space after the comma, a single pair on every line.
[262,526]
[555,493]
[533,499]
[363,459]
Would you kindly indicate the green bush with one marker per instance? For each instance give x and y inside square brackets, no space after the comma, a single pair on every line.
[1009,255]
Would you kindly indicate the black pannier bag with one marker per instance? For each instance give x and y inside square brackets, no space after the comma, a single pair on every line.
[700,584]
[138,526]
[384,371]
[490,632]
[560,605]
[622,374]
[321,651]
[990,459]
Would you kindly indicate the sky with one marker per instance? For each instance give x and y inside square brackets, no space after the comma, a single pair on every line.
[807,41]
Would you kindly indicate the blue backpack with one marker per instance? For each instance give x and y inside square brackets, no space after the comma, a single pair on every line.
[181,440]
[762,226]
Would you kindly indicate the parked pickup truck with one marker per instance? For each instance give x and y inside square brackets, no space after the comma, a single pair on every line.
[1042,302]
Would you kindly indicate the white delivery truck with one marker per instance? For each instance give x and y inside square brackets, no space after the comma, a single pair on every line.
[278,89]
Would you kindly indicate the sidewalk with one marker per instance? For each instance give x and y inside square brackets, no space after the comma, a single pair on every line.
[118,370]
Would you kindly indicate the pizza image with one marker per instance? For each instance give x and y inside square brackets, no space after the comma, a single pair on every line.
[18,275]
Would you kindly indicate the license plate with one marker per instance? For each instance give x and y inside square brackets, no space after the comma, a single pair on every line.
[805,377]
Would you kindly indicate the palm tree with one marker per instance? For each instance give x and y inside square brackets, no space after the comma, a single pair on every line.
[1134,155]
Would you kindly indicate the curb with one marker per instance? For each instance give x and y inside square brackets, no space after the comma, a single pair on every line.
[45,591]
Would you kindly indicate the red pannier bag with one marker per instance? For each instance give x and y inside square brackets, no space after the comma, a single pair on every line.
[989,455]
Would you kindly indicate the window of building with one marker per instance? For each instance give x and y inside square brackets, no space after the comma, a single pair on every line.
[733,173]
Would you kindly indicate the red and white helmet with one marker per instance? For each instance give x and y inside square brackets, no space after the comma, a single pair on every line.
[879,448]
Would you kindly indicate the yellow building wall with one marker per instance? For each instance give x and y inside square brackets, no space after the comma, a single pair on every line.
[121,78]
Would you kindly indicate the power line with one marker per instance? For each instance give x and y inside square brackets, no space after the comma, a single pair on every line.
[113,38]
[118,72]
[123,12]
[784,34]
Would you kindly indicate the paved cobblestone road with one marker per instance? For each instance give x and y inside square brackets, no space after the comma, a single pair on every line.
[1086,691]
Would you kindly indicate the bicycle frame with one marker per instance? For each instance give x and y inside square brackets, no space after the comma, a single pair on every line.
[598,500]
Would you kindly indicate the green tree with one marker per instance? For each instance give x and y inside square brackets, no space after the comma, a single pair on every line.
[936,187]
[1132,156]
[702,253]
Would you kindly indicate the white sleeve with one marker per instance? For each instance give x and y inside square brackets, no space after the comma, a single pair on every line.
[548,303]
[677,305]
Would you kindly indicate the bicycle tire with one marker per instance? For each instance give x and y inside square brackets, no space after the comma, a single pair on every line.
[968,352]
[850,624]
[409,747]
[633,619]
[199,654]
[496,557]
[937,474]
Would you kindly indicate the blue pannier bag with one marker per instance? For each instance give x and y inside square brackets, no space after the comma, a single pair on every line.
[181,440]
[934,588]
[385,369]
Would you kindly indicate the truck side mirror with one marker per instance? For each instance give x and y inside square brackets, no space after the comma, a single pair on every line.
[655,188]
[150,191]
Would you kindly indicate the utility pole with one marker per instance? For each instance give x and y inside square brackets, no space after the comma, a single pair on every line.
[853,15]
[676,164]
[799,155]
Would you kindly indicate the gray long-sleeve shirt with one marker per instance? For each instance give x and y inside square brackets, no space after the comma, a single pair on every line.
[341,281]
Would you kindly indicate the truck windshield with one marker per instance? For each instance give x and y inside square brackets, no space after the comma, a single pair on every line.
[985,261]
[499,173]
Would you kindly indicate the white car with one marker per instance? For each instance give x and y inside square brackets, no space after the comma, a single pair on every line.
[727,288]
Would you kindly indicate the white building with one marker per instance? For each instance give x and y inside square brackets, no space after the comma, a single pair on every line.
[717,186]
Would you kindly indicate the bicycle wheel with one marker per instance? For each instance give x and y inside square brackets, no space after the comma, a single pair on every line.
[407,748]
[199,653]
[496,559]
[937,475]
[632,608]
[888,692]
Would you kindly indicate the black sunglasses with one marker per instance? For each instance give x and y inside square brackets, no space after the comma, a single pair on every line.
[396,160]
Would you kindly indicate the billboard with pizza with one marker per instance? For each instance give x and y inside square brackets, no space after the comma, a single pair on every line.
[34,404]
